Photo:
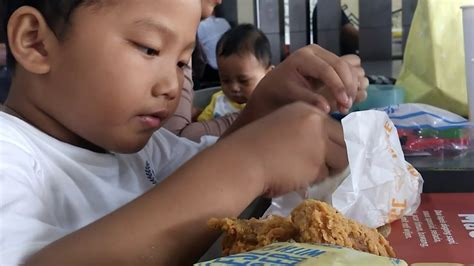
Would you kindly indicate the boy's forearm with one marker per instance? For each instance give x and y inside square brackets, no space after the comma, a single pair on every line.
[245,117]
[167,225]
[213,127]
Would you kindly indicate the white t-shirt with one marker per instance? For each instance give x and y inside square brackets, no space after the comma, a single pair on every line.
[49,189]
[210,31]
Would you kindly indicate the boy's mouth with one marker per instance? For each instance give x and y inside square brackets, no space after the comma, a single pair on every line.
[153,120]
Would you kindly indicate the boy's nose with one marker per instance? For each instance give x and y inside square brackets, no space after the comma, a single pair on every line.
[167,85]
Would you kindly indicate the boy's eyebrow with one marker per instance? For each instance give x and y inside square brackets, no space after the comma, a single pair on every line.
[150,23]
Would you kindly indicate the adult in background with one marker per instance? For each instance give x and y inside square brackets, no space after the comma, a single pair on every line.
[349,34]
[182,122]
[210,31]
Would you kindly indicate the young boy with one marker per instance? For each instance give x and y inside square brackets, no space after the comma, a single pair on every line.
[244,58]
[81,151]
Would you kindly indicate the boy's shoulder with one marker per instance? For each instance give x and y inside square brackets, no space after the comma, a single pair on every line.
[14,131]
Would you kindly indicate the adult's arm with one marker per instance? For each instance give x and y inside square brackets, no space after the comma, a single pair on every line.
[181,123]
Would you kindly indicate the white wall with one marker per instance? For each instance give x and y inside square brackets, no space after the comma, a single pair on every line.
[245,12]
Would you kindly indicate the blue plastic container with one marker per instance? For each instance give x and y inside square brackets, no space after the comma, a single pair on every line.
[381,96]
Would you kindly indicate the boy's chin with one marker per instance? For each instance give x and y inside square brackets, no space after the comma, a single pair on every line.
[129,146]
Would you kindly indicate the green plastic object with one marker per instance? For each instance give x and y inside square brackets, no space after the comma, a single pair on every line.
[453,133]
[381,96]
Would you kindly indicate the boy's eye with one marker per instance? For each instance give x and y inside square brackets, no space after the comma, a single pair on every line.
[182,65]
[148,51]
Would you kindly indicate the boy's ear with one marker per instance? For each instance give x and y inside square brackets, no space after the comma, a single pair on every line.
[30,40]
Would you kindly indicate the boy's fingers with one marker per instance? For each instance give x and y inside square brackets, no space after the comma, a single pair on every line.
[352,59]
[335,132]
[364,83]
[350,80]
[316,67]
[361,96]
[361,71]
[336,156]
[362,90]
[320,102]
[343,69]
[315,99]
[336,153]
[355,81]
[323,173]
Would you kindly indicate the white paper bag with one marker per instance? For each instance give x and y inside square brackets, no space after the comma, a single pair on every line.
[381,187]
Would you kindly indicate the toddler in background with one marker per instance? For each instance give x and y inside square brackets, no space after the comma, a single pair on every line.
[244,58]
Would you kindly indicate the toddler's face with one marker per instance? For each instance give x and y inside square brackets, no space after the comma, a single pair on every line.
[119,72]
[239,75]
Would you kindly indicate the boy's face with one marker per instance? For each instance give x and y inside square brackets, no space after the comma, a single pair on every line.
[239,75]
[119,72]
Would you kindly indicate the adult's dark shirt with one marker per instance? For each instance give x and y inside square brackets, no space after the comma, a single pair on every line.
[345,49]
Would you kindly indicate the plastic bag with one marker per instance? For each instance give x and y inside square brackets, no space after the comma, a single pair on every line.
[381,187]
[304,254]
[433,70]
[428,130]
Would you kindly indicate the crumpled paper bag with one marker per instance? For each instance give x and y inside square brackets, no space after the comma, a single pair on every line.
[381,186]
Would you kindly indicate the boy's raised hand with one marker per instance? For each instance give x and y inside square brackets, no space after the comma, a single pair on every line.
[313,75]
[363,83]
[321,79]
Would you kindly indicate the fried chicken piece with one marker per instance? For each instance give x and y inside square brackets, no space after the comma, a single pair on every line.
[246,235]
[310,222]
[318,222]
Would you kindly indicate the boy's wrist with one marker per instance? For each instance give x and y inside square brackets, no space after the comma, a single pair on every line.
[245,117]
[251,168]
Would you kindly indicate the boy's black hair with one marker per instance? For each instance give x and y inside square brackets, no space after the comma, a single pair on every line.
[246,38]
[57,14]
